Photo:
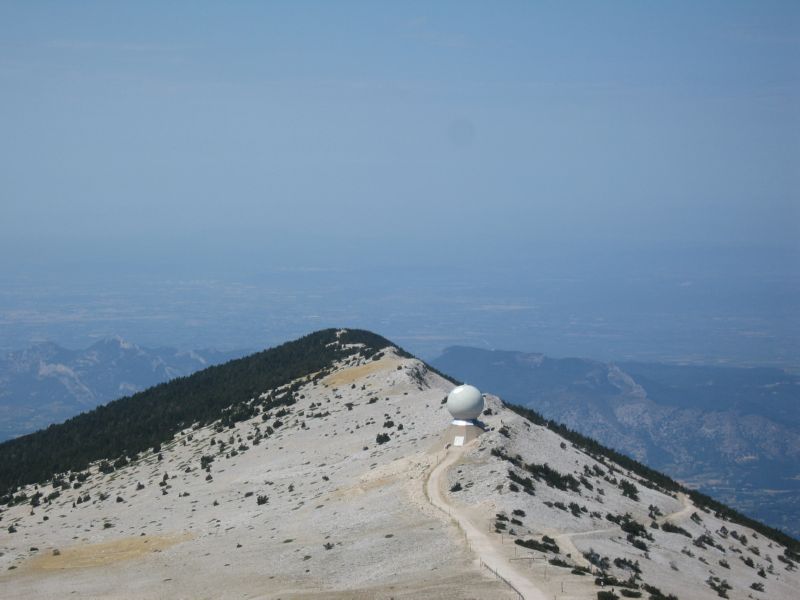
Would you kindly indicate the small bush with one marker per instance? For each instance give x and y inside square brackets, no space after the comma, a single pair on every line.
[558,562]
[546,545]
[657,594]
[624,563]
[670,528]
[601,562]
[719,585]
[629,490]
[637,543]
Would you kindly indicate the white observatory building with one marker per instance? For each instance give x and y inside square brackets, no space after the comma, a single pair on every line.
[465,404]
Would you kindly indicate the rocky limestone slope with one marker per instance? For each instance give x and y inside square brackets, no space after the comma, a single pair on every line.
[731,432]
[326,498]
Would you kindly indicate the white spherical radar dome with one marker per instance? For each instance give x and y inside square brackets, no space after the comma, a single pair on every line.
[465,403]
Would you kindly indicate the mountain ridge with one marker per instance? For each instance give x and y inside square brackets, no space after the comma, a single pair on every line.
[319,487]
[726,431]
[147,418]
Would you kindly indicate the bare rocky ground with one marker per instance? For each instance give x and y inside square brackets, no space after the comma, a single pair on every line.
[707,551]
[319,509]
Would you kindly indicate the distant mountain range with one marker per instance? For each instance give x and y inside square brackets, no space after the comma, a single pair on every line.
[46,383]
[733,433]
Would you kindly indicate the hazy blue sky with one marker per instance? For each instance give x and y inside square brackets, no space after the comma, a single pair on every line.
[302,132]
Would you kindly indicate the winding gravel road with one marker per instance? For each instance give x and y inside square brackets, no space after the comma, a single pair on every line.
[480,543]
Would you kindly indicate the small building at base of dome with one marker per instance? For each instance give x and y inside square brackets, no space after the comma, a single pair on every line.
[461,435]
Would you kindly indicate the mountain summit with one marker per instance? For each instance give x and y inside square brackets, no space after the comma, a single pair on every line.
[320,469]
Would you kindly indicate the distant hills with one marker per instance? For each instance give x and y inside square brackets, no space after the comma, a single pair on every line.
[733,433]
[47,383]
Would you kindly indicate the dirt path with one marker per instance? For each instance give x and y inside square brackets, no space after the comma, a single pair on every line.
[567,546]
[480,543]
[679,515]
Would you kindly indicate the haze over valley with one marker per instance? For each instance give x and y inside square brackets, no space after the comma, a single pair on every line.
[211,214]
